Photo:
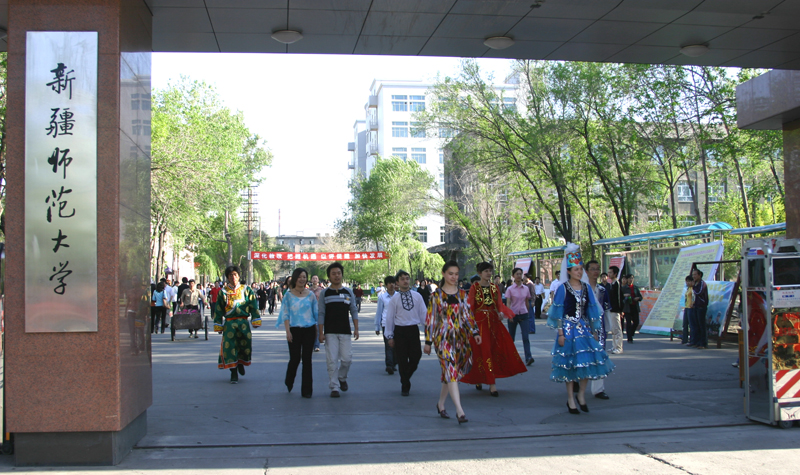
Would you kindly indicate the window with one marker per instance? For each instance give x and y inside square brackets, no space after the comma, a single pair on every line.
[422,233]
[399,103]
[418,155]
[301,242]
[441,233]
[417,131]
[716,193]
[446,133]
[684,221]
[684,192]
[280,242]
[140,102]
[399,129]
[140,127]
[441,182]
[441,157]
[509,103]
[311,242]
[400,152]
[417,103]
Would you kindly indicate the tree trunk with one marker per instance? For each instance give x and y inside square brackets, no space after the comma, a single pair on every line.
[228,238]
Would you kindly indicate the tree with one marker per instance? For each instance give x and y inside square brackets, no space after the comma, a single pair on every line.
[203,157]
[384,206]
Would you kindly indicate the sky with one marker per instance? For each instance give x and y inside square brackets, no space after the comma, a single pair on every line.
[304,106]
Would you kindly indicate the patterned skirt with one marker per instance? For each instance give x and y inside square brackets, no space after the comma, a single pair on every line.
[581,357]
[236,346]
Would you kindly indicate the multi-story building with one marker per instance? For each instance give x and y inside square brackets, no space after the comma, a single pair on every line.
[390,130]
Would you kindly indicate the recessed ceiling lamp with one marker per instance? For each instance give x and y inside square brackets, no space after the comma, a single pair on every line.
[287,37]
[499,42]
[693,51]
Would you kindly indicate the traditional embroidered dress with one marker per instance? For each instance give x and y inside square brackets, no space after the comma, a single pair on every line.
[234,305]
[581,357]
[449,326]
[496,356]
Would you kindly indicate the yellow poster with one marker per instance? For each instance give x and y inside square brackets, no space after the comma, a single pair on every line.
[668,306]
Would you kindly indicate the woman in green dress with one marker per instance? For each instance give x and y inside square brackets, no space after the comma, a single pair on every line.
[235,303]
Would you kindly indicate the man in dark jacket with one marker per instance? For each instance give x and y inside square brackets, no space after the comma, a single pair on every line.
[700,307]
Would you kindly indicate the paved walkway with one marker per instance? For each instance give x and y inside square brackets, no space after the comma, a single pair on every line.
[659,389]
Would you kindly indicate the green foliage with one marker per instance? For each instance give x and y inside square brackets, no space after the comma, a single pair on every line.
[203,157]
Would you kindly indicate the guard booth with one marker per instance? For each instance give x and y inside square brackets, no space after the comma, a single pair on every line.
[771,324]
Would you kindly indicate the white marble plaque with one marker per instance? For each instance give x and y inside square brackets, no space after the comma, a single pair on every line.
[61,181]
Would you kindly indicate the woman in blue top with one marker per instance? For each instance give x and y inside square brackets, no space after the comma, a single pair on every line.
[158,309]
[577,356]
[299,317]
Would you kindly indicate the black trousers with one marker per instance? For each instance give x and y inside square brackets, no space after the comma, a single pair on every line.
[156,314]
[301,347]
[407,352]
[271,306]
[631,324]
[537,307]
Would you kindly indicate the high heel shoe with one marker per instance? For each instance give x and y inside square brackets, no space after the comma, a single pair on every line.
[479,387]
[583,407]
[573,411]
[494,393]
[462,419]
[443,414]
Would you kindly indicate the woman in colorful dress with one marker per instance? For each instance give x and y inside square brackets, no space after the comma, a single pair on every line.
[449,327]
[496,356]
[299,317]
[235,303]
[575,314]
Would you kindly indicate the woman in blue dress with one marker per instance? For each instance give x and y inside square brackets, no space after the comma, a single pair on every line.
[577,355]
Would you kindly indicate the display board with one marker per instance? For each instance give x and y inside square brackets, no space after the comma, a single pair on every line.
[667,309]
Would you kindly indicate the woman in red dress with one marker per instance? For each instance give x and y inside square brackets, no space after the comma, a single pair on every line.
[496,356]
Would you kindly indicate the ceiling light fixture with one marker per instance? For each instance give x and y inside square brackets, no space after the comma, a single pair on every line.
[499,42]
[287,37]
[693,51]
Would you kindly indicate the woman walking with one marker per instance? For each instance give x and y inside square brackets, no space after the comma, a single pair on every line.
[261,293]
[448,327]
[158,308]
[575,314]
[496,356]
[235,303]
[299,317]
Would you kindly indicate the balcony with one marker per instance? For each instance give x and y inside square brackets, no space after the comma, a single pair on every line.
[351,166]
[372,103]
[351,146]
[373,123]
[372,148]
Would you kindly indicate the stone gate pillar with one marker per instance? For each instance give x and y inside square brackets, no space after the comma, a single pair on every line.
[81,397]
[772,101]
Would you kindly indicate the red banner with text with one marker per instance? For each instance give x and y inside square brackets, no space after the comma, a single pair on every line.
[318,256]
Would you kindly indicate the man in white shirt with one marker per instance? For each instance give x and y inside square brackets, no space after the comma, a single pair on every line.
[554,285]
[538,290]
[406,312]
[593,272]
[380,321]
[171,294]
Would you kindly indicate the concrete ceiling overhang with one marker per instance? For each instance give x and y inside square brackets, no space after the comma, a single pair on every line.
[743,33]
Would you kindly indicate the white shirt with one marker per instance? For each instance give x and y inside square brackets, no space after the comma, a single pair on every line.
[554,285]
[539,289]
[171,293]
[404,309]
[385,298]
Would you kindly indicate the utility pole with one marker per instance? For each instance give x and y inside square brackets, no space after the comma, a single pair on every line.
[250,220]
[227,236]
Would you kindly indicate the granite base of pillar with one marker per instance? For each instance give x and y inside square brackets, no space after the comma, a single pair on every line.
[78,448]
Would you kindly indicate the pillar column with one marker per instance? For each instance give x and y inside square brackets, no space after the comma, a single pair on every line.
[772,102]
[82,398]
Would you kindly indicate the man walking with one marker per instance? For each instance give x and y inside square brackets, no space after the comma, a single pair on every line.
[380,322]
[335,303]
[406,312]
[601,296]
[699,309]
[526,279]
[191,299]
[554,285]
[616,303]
